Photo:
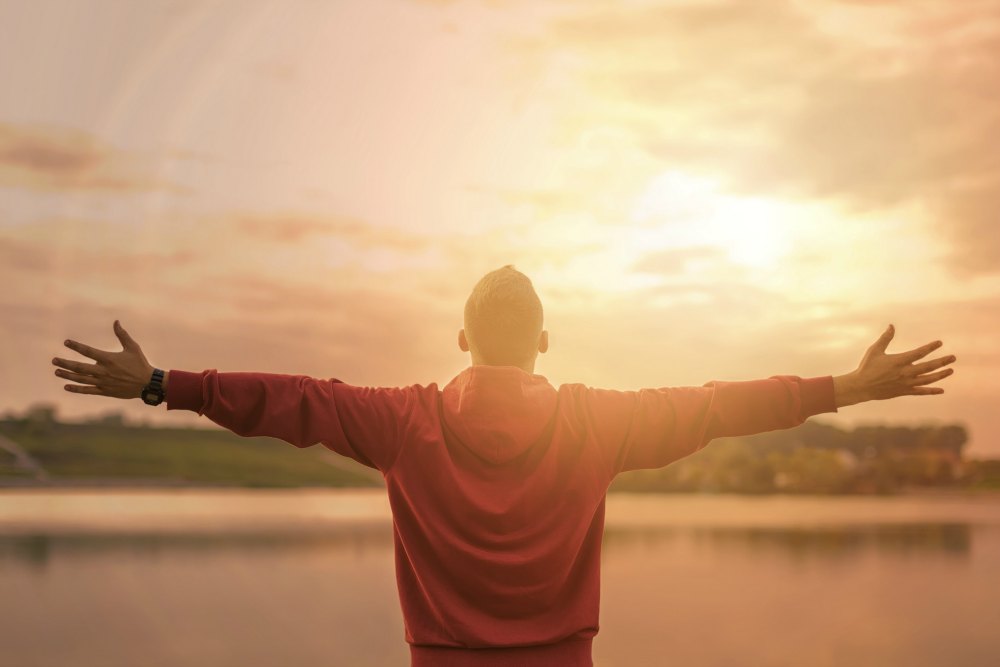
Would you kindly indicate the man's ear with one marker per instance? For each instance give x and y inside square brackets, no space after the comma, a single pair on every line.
[463,343]
[543,342]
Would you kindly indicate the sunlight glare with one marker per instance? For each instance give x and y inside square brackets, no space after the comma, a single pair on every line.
[690,211]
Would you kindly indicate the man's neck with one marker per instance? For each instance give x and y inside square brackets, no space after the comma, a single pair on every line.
[527,368]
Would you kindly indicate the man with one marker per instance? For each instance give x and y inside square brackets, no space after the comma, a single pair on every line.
[497,481]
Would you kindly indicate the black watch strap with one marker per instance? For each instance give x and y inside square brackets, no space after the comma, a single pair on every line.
[152,393]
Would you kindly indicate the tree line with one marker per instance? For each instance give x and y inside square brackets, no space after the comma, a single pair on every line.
[820,458]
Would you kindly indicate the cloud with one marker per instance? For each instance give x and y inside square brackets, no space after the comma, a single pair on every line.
[17,255]
[42,252]
[971,216]
[293,228]
[544,202]
[251,285]
[281,72]
[870,106]
[677,261]
[48,158]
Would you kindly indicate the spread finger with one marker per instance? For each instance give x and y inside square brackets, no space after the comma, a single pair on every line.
[76,377]
[77,366]
[933,365]
[87,351]
[929,378]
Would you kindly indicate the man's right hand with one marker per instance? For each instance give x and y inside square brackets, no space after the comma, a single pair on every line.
[881,375]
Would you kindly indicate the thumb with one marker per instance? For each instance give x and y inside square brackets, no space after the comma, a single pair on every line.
[883,341]
[127,341]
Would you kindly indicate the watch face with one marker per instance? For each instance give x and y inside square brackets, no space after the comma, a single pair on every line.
[152,397]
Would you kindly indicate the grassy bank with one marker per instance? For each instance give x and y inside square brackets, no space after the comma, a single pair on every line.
[71,453]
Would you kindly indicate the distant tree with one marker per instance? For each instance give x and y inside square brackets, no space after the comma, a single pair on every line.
[984,474]
[109,419]
[41,413]
[815,458]
[810,470]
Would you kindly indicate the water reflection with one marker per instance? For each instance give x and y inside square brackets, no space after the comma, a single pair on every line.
[699,582]
[797,543]
[953,540]
[39,549]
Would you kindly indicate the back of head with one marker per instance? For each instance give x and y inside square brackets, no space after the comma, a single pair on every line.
[503,318]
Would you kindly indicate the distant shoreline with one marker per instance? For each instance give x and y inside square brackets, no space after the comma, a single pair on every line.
[215,514]
[126,484]
[810,460]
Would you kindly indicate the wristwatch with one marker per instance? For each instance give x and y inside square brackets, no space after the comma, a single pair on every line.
[152,393]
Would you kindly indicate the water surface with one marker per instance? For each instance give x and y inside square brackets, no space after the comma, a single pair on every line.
[305,577]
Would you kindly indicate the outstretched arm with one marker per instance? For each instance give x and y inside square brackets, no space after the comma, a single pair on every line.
[363,423]
[881,375]
[651,428]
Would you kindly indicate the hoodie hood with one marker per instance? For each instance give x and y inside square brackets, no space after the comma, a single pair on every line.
[498,412]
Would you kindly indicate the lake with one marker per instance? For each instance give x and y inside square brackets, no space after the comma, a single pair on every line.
[262,578]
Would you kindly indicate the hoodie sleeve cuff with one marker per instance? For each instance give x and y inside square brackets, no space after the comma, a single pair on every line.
[816,394]
[184,391]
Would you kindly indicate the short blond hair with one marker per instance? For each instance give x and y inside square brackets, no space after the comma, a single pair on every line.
[503,317]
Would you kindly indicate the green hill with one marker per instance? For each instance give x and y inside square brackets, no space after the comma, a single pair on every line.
[116,453]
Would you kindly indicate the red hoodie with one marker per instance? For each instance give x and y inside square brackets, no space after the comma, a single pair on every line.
[497,485]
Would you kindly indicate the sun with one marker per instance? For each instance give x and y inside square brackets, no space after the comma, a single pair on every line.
[692,212]
[750,230]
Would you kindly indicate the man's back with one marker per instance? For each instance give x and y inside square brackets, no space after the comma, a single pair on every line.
[499,514]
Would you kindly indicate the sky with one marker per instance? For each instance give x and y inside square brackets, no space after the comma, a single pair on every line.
[700,190]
